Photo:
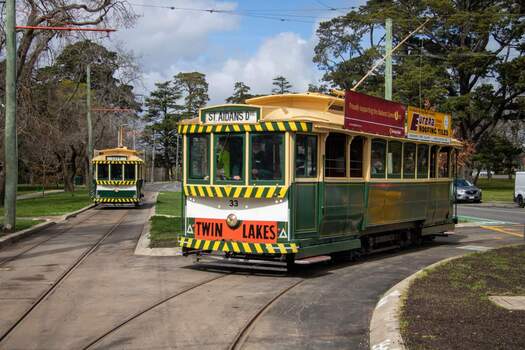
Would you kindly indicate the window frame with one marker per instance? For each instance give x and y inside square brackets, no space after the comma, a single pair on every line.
[316,156]
[282,163]
[345,157]
[190,180]
[448,151]
[401,143]
[363,157]
[217,181]
[122,172]
[427,177]
[414,176]
[99,164]
[384,177]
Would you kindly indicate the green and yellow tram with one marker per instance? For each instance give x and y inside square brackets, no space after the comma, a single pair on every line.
[284,178]
[118,176]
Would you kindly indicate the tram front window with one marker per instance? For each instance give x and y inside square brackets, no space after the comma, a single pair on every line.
[198,157]
[102,172]
[116,171]
[229,157]
[129,172]
[267,156]
[378,158]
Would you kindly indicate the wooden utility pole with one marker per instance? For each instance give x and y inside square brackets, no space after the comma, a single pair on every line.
[10,144]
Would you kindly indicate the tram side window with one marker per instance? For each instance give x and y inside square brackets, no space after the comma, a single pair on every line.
[422,161]
[305,155]
[409,161]
[335,161]
[229,157]
[198,163]
[267,157]
[103,171]
[393,159]
[116,171]
[444,162]
[356,157]
[378,164]
[129,172]
[433,160]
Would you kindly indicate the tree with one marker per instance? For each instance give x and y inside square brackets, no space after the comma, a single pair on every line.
[241,92]
[468,61]
[497,153]
[163,113]
[282,86]
[195,90]
[321,88]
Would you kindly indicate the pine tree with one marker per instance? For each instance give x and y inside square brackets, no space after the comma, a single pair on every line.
[195,90]
[282,86]
[241,92]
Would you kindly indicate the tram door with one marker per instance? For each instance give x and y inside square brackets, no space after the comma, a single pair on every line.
[306,187]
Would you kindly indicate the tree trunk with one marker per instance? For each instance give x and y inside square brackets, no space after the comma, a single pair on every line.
[477,176]
[2,186]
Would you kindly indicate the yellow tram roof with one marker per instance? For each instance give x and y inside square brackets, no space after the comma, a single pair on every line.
[324,111]
[131,154]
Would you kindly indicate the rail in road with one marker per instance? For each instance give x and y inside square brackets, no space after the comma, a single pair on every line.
[62,277]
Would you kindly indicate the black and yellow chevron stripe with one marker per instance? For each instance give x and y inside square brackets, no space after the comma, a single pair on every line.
[117,182]
[118,161]
[239,247]
[236,191]
[116,200]
[265,126]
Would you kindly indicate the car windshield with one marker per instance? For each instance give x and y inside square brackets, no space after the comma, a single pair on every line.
[463,183]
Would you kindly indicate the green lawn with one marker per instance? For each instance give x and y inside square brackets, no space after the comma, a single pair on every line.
[51,205]
[164,229]
[497,190]
[168,203]
[22,224]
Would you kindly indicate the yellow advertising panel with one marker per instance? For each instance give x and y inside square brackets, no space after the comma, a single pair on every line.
[428,125]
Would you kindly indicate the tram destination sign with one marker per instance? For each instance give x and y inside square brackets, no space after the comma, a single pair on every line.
[374,115]
[429,125]
[230,114]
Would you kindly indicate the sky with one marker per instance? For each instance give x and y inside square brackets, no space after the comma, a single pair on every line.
[228,47]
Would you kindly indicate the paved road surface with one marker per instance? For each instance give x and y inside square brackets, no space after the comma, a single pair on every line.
[510,215]
[326,307]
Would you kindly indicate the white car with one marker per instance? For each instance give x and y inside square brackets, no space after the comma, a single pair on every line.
[519,188]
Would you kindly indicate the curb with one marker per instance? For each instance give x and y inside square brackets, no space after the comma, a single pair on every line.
[143,243]
[384,325]
[16,236]
[492,205]
[75,213]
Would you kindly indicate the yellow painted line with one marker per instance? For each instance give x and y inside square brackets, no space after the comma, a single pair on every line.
[219,128]
[236,248]
[227,190]
[271,192]
[201,191]
[216,245]
[269,248]
[206,245]
[282,248]
[258,248]
[236,128]
[188,242]
[293,126]
[225,247]
[198,243]
[294,247]
[246,247]
[498,229]
[248,192]
[304,126]
[218,191]
[258,127]
[247,128]
[270,126]
[237,192]
[281,126]
[192,129]
[259,192]
[209,191]
[282,192]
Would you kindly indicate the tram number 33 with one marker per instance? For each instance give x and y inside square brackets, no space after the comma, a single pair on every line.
[234,203]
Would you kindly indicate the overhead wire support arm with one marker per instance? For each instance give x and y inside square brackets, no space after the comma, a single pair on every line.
[378,63]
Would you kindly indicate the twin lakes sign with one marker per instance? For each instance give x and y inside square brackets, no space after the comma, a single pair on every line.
[230,114]
[428,125]
[374,115]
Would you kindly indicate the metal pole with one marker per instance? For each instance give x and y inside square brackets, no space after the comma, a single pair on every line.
[153,159]
[388,61]
[89,127]
[10,144]
[177,160]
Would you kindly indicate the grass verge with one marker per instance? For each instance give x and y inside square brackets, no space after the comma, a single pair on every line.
[497,190]
[22,224]
[448,308]
[54,204]
[166,224]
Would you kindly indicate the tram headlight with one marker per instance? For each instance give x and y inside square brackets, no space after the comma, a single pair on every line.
[232,220]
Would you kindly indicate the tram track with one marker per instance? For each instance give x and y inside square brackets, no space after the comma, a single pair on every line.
[38,244]
[63,276]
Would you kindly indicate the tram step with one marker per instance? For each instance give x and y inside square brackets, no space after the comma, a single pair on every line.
[313,260]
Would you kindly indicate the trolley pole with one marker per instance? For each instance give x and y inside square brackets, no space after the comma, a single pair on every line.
[89,127]
[388,61]
[153,159]
[11,152]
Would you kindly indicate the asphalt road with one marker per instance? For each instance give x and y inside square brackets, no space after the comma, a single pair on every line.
[508,215]
[116,300]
